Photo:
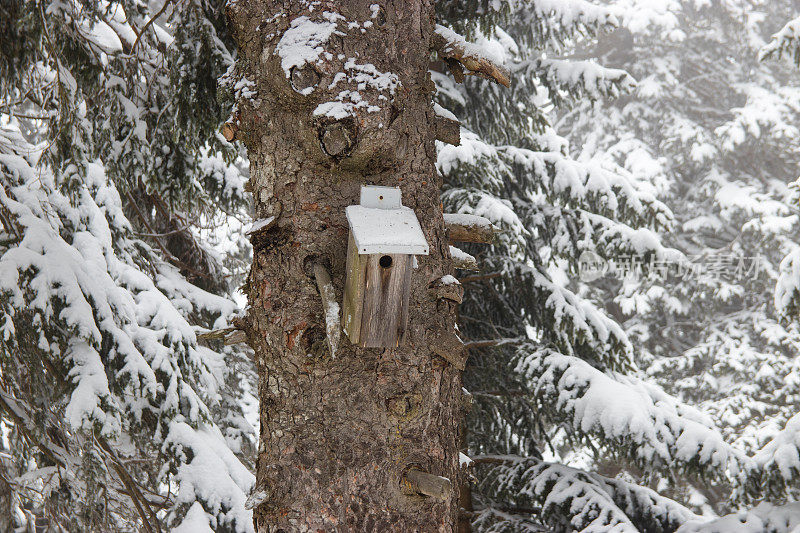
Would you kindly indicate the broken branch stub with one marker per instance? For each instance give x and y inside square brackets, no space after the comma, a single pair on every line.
[419,482]
[447,130]
[228,336]
[467,400]
[469,228]
[330,307]
[462,259]
[215,335]
[229,131]
[450,348]
[453,47]
[235,337]
[446,288]
[337,139]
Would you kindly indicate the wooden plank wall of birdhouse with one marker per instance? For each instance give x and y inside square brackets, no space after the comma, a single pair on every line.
[375,303]
[353,301]
[386,295]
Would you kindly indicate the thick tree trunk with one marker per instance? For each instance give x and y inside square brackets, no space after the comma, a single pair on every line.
[338,434]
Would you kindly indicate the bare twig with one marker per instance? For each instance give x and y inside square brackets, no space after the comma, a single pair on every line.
[163,248]
[149,22]
[139,501]
[489,343]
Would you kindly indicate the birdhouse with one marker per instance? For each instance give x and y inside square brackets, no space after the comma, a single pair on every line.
[384,238]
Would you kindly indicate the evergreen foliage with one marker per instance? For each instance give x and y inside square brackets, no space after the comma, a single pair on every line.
[715,131]
[571,379]
[113,416]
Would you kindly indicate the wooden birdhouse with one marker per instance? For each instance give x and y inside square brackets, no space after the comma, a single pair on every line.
[384,238]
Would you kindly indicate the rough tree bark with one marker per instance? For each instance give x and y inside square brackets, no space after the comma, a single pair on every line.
[338,434]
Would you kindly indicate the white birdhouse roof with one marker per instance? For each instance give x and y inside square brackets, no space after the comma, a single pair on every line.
[381,225]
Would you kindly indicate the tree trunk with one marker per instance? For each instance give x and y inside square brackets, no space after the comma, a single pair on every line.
[338,433]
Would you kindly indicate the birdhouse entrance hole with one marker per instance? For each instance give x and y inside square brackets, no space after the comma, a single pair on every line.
[384,238]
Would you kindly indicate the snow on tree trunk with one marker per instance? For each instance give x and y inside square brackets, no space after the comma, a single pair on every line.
[333,100]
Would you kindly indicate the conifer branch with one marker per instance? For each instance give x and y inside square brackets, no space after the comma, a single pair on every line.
[149,23]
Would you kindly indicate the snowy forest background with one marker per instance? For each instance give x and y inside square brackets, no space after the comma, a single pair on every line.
[660,135]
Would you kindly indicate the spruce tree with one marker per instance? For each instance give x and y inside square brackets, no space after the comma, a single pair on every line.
[354,436]
[713,131]
[551,374]
[113,414]
[570,413]
[780,458]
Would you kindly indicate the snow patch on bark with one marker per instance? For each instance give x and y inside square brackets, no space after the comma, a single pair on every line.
[365,78]
[303,42]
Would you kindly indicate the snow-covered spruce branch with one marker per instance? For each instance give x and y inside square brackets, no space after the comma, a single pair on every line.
[657,431]
[785,43]
[609,192]
[764,517]
[573,324]
[571,499]
[778,461]
[574,78]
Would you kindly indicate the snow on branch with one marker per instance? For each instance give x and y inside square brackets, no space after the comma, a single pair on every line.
[575,12]
[592,502]
[555,22]
[576,326]
[579,78]
[779,459]
[616,239]
[655,429]
[469,228]
[462,259]
[476,59]
[609,192]
[787,287]
[763,518]
[785,43]
[210,476]
[766,113]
